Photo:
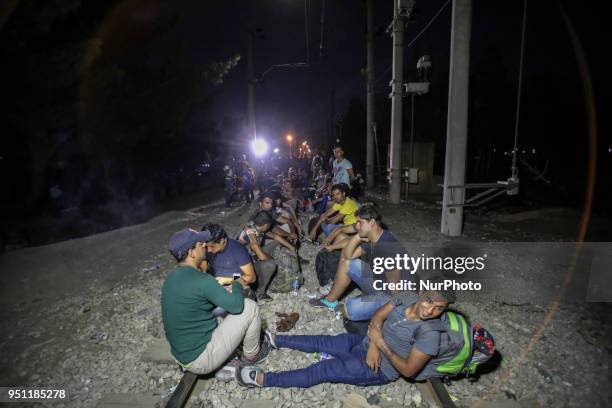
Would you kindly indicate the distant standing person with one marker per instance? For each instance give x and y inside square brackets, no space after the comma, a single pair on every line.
[342,168]
[316,165]
[228,185]
[248,178]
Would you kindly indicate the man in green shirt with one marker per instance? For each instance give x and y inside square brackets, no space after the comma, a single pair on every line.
[198,343]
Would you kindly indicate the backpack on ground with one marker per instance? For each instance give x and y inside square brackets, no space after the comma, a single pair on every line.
[326,264]
[287,268]
[466,347]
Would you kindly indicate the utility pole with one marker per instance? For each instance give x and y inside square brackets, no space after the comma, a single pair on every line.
[370,96]
[251,84]
[402,9]
[456,128]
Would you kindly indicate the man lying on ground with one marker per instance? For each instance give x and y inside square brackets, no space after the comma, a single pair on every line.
[355,265]
[197,342]
[341,213]
[396,345]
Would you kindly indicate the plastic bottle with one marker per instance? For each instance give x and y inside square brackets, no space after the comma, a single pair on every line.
[295,285]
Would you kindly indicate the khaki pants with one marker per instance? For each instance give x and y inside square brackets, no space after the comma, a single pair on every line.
[244,327]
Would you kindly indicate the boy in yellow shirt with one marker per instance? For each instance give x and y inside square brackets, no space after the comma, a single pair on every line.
[341,213]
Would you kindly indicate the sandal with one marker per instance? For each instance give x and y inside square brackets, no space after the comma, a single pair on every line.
[286,322]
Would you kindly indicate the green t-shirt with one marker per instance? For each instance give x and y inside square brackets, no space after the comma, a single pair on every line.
[188,298]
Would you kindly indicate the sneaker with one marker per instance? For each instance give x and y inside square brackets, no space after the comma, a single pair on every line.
[323,303]
[264,350]
[269,337]
[264,298]
[228,371]
[339,309]
[246,375]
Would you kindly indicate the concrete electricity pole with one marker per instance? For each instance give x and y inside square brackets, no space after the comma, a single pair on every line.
[370,96]
[456,128]
[402,9]
[251,84]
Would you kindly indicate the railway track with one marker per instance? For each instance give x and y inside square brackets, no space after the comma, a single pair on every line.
[434,387]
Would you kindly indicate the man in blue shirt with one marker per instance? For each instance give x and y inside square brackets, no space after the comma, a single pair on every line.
[356,261]
[229,259]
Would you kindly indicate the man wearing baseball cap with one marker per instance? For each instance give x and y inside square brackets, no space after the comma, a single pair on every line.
[198,343]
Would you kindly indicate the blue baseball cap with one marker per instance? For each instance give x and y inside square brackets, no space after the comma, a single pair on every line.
[181,242]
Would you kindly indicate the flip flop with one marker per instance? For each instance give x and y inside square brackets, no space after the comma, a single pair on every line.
[286,322]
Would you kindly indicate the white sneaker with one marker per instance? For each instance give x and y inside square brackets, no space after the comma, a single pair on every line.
[228,371]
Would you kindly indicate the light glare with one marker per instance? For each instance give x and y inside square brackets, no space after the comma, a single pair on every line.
[260,147]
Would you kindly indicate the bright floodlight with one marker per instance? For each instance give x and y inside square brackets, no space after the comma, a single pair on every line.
[260,147]
[289,137]
[275,150]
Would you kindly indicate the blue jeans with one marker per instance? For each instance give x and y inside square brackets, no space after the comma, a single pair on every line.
[328,228]
[227,192]
[363,307]
[348,365]
[322,206]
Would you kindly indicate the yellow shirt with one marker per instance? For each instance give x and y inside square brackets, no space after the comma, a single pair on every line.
[348,209]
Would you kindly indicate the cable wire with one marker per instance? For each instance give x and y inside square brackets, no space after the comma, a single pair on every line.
[428,24]
[416,37]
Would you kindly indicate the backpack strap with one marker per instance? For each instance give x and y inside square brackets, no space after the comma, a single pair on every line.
[455,365]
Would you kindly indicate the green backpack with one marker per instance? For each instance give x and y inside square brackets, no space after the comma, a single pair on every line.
[466,346]
[287,269]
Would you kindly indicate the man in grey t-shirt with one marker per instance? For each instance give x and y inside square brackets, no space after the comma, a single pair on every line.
[396,345]
[402,337]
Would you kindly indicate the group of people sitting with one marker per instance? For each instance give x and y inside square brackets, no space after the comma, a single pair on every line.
[210,301]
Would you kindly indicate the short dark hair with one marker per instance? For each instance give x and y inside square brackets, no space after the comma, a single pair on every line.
[264,195]
[368,212]
[342,187]
[448,295]
[262,218]
[217,232]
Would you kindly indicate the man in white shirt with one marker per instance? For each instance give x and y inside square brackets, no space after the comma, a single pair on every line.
[342,168]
